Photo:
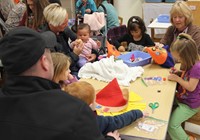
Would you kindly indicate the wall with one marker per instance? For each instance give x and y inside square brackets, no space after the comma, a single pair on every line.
[70,6]
[125,8]
[128,8]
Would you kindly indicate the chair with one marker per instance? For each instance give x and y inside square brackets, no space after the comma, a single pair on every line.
[116,32]
[120,20]
[193,123]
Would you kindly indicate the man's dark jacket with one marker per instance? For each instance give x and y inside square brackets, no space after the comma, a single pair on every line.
[33,108]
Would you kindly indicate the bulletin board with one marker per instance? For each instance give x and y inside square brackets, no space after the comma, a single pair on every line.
[195,7]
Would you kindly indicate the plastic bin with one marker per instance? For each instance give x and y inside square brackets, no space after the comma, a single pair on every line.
[153,1]
[170,0]
[146,58]
[164,18]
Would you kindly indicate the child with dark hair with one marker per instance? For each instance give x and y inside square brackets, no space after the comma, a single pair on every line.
[136,37]
[83,35]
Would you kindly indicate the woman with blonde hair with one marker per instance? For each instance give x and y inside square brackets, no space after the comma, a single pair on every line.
[181,19]
[57,21]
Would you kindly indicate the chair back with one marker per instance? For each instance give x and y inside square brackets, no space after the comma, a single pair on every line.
[116,32]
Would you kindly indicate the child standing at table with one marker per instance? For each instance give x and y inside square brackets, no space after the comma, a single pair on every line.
[136,37]
[188,97]
[61,64]
[83,35]
[86,92]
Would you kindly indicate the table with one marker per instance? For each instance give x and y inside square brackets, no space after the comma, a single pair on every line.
[152,10]
[150,94]
[157,25]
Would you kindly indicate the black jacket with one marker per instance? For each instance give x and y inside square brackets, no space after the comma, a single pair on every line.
[145,41]
[33,108]
[63,45]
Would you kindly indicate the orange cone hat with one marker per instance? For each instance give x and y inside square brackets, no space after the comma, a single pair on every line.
[111,95]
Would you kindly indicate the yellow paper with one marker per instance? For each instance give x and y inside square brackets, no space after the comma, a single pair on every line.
[135,102]
[133,97]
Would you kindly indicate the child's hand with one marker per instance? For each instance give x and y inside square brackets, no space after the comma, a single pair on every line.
[121,49]
[145,114]
[114,134]
[70,77]
[173,70]
[98,43]
[144,49]
[91,57]
[173,77]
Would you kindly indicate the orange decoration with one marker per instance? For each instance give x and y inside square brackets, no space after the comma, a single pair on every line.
[159,55]
[112,50]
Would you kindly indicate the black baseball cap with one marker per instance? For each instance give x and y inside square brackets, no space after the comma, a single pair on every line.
[22,47]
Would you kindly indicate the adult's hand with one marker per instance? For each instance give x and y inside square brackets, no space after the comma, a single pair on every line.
[160,45]
[114,134]
[78,48]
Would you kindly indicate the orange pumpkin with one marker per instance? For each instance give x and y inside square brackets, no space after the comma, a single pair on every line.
[158,54]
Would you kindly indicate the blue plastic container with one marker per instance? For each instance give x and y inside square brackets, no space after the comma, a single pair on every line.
[146,58]
[170,0]
[153,1]
[163,18]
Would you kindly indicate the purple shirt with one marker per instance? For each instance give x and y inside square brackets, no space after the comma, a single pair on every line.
[192,99]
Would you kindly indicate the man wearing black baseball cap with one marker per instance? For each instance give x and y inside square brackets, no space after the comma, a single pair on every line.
[32,107]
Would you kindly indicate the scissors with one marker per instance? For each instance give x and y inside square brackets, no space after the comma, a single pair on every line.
[153,106]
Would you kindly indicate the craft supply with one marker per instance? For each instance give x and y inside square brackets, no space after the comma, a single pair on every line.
[161,56]
[150,124]
[153,106]
[98,107]
[144,82]
[155,80]
[146,127]
[172,70]
[156,119]
[140,58]
[132,58]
